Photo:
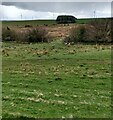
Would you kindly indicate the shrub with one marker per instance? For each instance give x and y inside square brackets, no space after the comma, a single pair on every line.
[30,35]
[22,36]
[76,35]
[97,31]
[28,25]
[102,30]
[8,35]
[38,35]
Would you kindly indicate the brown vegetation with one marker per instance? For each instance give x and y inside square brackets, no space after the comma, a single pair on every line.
[30,35]
[97,31]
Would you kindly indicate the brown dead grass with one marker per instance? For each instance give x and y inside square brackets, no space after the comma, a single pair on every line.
[55,31]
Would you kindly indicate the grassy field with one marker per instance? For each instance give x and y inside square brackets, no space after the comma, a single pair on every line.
[39,22]
[28,22]
[51,80]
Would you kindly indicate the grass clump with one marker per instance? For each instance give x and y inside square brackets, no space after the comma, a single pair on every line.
[8,35]
[38,35]
[76,35]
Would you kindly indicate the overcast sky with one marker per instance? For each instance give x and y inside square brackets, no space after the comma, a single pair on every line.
[50,10]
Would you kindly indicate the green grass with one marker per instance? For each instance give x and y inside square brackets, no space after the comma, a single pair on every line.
[28,22]
[84,21]
[39,22]
[62,82]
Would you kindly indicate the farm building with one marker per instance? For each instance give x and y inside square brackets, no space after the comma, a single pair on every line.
[65,19]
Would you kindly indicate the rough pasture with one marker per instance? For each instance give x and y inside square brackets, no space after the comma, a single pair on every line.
[52,80]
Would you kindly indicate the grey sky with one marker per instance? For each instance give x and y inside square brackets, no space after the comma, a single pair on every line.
[60,6]
[79,9]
